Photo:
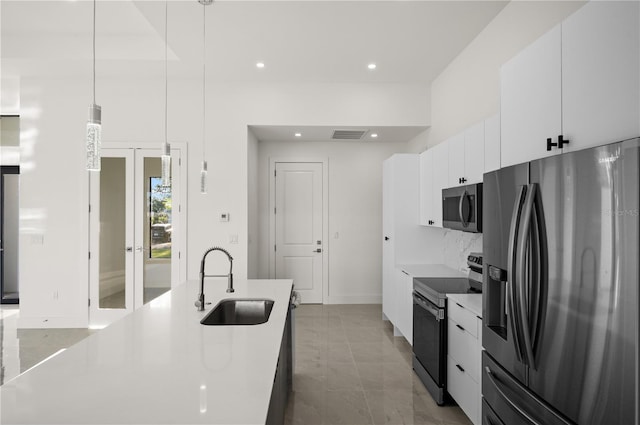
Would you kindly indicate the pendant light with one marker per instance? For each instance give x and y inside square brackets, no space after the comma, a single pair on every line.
[93,140]
[203,170]
[166,148]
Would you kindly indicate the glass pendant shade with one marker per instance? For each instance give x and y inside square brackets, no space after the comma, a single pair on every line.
[203,178]
[166,164]
[94,137]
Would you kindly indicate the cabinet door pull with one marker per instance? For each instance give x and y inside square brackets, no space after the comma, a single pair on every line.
[460,367]
[463,180]
[459,305]
[561,141]
[459,327]
[405,272]
[550,144]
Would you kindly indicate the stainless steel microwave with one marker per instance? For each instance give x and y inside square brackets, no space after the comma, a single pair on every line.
[462,208]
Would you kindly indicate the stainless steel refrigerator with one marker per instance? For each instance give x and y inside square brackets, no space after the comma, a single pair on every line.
[560,306]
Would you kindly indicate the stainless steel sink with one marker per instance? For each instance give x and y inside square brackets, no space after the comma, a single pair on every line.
[244,311]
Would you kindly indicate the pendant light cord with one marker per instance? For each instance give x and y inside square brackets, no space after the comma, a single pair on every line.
[166,75]
[94,52]
[204,78]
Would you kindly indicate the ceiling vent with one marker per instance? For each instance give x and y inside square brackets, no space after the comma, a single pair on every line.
[348,134]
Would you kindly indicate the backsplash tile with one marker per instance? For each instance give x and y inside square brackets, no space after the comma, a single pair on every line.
[458,245]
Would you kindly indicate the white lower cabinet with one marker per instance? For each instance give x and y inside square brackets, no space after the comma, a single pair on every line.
[404,304]
[464,359]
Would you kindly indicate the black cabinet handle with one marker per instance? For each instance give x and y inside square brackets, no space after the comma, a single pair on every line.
[460,367]
[459,327]
[463,180]
[430,222]
[561,141]
[386,238]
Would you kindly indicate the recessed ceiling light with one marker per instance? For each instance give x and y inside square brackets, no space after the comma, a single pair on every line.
[260,64]
[374,135]
[372,66]
[298,134]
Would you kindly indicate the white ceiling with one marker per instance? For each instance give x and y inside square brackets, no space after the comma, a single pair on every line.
[280,133]
[305,41]
[299,41]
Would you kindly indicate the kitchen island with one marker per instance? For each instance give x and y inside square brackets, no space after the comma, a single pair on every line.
[159,365]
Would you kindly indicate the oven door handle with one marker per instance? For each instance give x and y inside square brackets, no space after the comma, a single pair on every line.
[425,305]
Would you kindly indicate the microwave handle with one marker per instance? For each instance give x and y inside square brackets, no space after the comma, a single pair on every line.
[460,204]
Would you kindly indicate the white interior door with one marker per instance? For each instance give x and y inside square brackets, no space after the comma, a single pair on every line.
[299,248]
[134,232]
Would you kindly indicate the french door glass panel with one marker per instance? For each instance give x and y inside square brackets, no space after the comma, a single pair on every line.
[135,232]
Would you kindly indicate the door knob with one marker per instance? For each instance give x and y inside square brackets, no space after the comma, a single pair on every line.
[129,249]
[317,250]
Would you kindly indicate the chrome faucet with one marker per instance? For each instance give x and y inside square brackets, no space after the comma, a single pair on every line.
[200,301]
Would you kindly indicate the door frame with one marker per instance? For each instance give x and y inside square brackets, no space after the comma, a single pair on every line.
[14,170]
[325,216]
[179,216]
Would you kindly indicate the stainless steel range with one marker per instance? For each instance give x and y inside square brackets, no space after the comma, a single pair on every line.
[430,324]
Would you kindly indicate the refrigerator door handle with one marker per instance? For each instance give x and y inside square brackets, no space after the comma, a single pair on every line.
[464,195]
[523,256]
[512,305]
[513,405]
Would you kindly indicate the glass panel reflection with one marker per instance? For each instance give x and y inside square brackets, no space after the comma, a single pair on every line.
[112,232]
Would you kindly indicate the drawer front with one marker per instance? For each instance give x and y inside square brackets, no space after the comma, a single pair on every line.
[463,317]
[464,349]
[464,391]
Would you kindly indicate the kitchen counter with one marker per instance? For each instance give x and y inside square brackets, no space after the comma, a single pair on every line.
[159,365]
[473,302]
[430,270]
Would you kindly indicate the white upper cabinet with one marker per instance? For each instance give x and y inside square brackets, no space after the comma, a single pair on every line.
[601,74]
[530,100]
[434,176]
[426,188]
[466,156]
[474,148]
[456,160]
[575,87]
[440,179]
[492,143]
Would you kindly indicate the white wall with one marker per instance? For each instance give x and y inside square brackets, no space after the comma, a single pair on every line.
[54,192]
[468,90]
[355,212]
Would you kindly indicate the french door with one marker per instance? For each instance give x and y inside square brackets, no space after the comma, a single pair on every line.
[135,232]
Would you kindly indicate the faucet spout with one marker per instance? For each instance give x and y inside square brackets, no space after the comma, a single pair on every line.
[200,302]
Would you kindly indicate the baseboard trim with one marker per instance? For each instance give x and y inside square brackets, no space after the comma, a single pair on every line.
[51,322]
[353,299]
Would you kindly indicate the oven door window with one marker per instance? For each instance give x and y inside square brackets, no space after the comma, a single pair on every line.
[429,340]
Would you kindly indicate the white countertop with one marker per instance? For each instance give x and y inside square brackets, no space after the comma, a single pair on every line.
[159,365]
[472,302]
[430,270]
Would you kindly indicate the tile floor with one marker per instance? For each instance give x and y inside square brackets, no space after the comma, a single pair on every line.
[349,368]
